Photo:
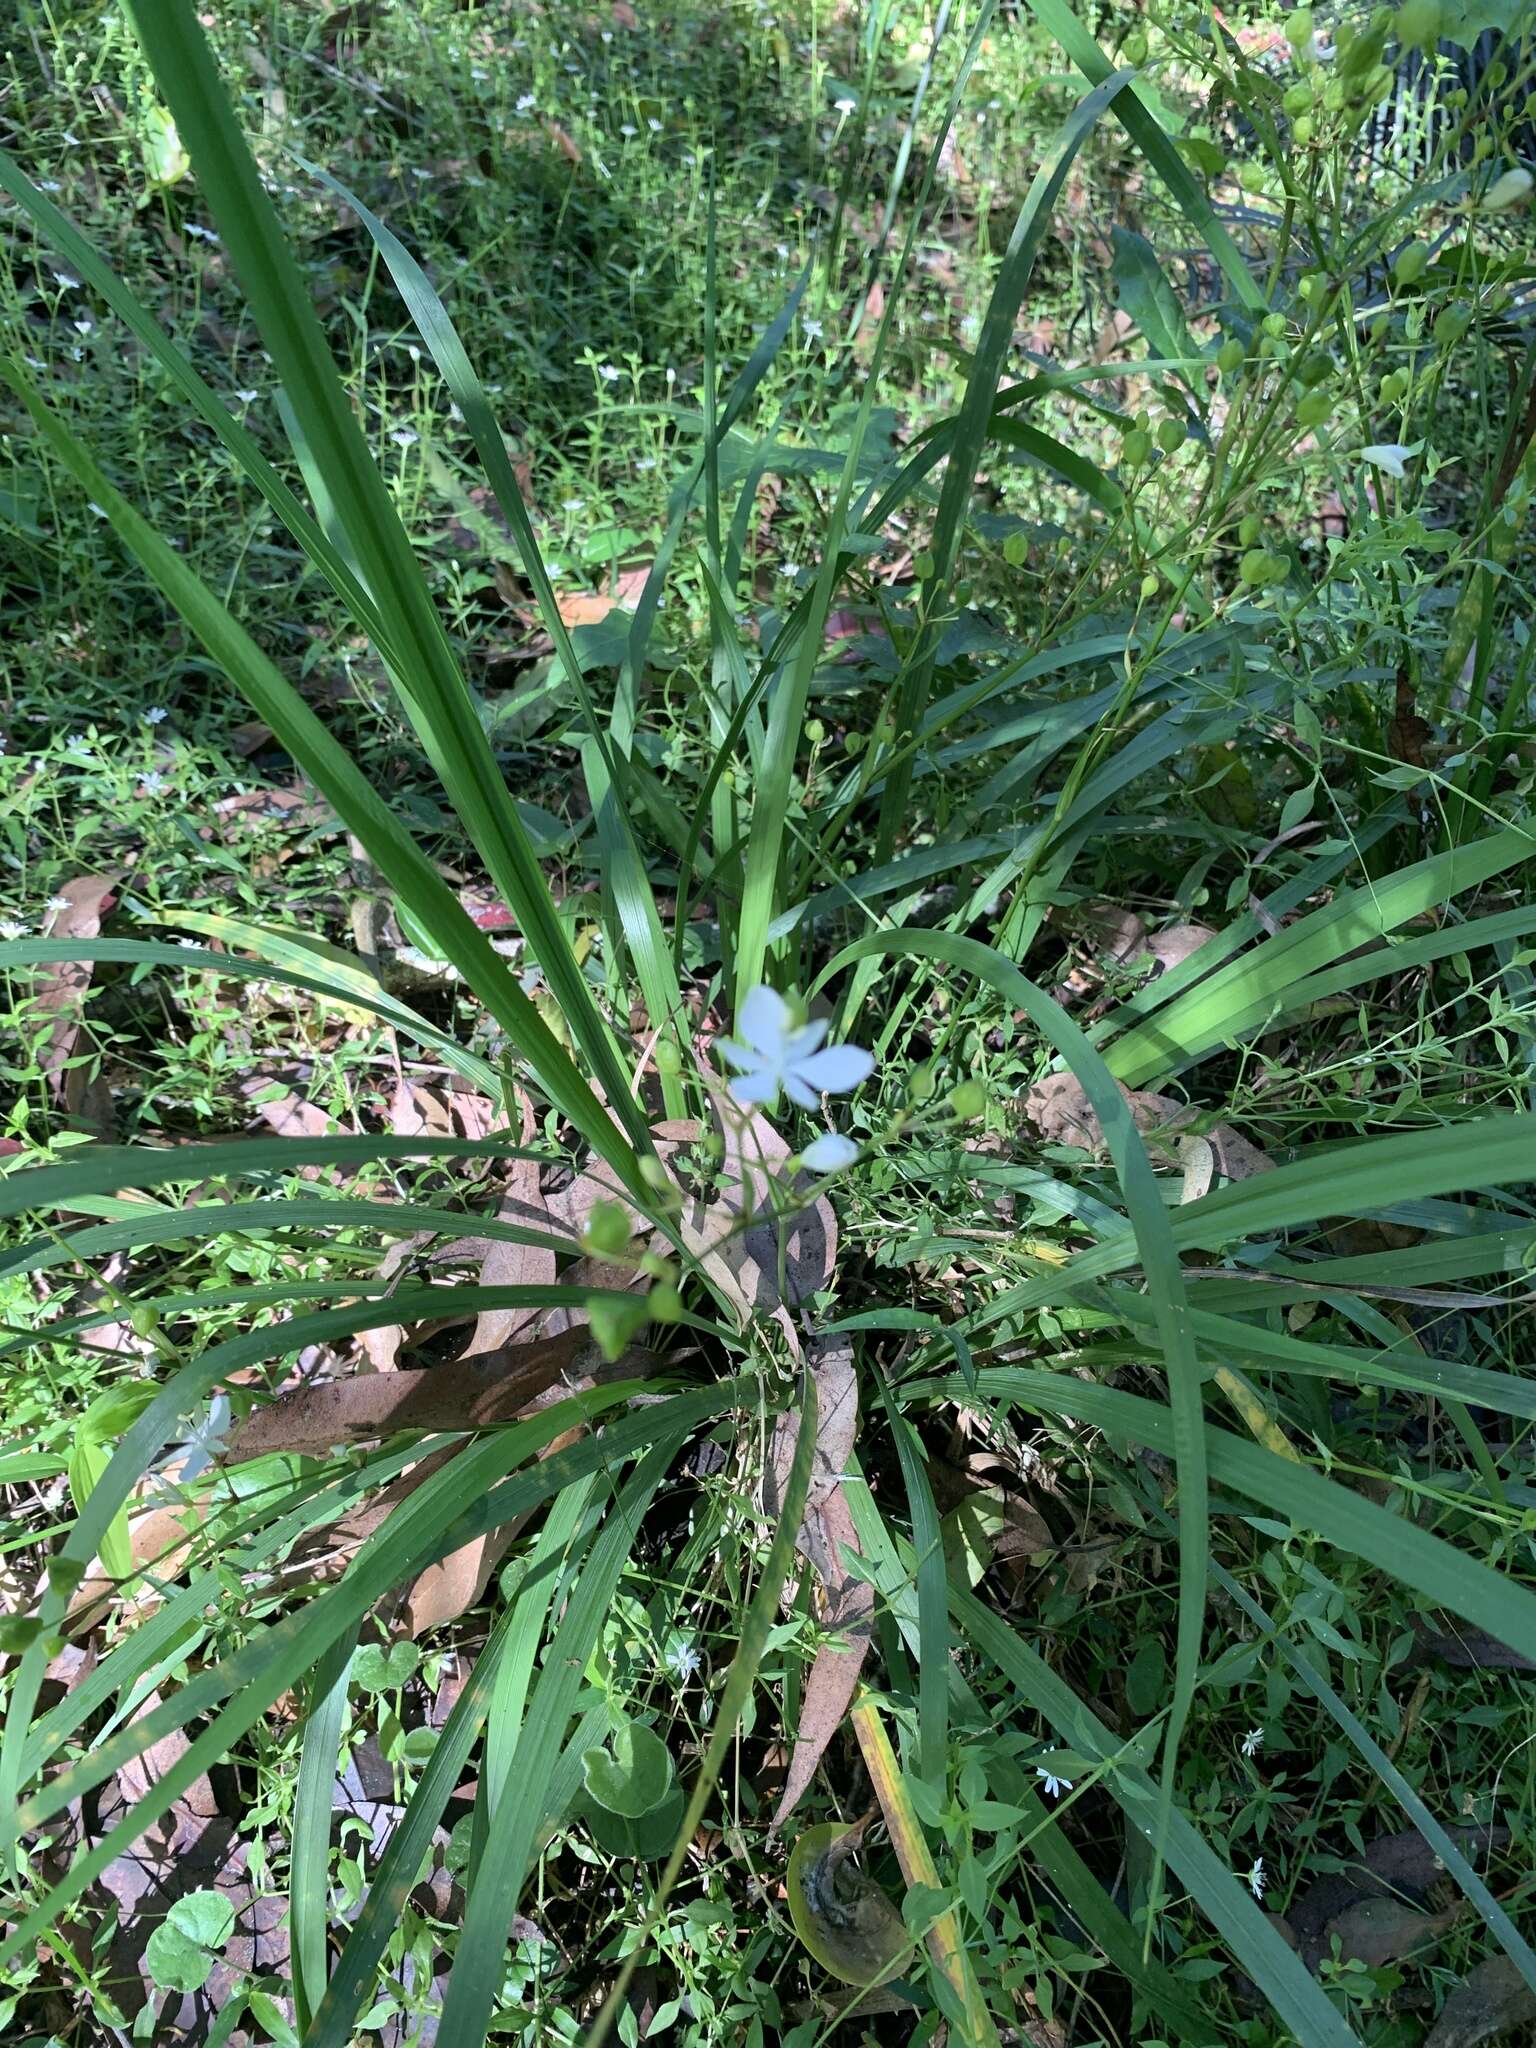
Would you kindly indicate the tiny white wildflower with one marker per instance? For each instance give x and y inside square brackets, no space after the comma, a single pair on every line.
[66,279]
[846,105]
[49,185]
[572,504]
[405,437]
[789,570]
[1253,1742]
[811,329]
[646,462]
[608,373]
[84,325]
[653,124]
[201,234]
[683,1659]
[77,743]
[70,141]
[1054,1786]
[156,715]
[1256,1878]
[830,1153]
[58,903]
[778,1053]
[152,782]
[526,102]
[10,929]
[247,397]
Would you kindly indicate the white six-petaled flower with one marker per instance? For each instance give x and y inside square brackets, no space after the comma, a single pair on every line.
[775,1052]
[1256,1878]
[1054,1786]
[1253,1742]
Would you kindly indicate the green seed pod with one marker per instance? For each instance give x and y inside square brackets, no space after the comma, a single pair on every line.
[607,1231]
[1298,28]
[665,1305]
[1316,407]
[1229,357]
[1410,263]
[1249,527]
[815,731]
[1171,436]
[1016,550]
[1253,177]
[963,590]
[1275,324]
[1314,369]
[969,1099]
[1298,98]
[143,1319]
[1513,189]
[668,1059]
[1149,587]
[1333,95]
[1259,567]
[922,567]
[1392,386]
[1136,448]
[1134,48]
[1451,325]
[1302,128]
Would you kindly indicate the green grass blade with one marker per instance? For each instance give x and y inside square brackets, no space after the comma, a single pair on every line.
[1244,994]
[1141,124]
[932,1600]
[309,1836]
[480,1955]
[433,687]
[82,258]
[1160,1262]
[387,844]
[1277,1970]
[975,417]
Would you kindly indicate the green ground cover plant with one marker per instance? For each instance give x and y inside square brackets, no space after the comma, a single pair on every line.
[769,1162]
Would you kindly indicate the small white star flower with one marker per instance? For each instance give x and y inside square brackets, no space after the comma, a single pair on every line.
[830,1153]
[527,102]
[628,128]
[156,715]
[1256,1878]
[201,234]
[683,1660]
[846,106]
[1054,1786]
[59,903]
[247,397]
[405,437]
[608,373]
[1253,1742]
[778,1053]
[811,329]
[77,743]
[151,782]
[10,929]
[67,280]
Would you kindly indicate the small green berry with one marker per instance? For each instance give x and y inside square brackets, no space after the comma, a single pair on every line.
[1150,585]
[1450,325]
[922,567]
[143,1319]
[1016,550]
[969,1099]
[1312,410]
[665,1305]
[1259,567]
[1134,48]
[1171,436]
[1249,527]
[1230,356]
[1275,324]
[607,1231]
[1302,128]
[1136,448]
[815,731]
[1298,98]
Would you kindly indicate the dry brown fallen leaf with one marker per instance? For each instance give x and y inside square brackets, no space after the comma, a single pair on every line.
[60,988]
[1063,1115]
[1490,2001]
[468,1393]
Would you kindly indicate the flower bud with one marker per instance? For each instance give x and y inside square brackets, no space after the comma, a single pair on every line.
[1149,587]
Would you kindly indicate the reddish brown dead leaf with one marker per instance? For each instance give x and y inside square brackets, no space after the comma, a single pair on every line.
[60,988]
[625,588]
[584,607]
[1408,735]
[469,1393]
[1063,1115]
[565,143]
[623,15]
[826,1532]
